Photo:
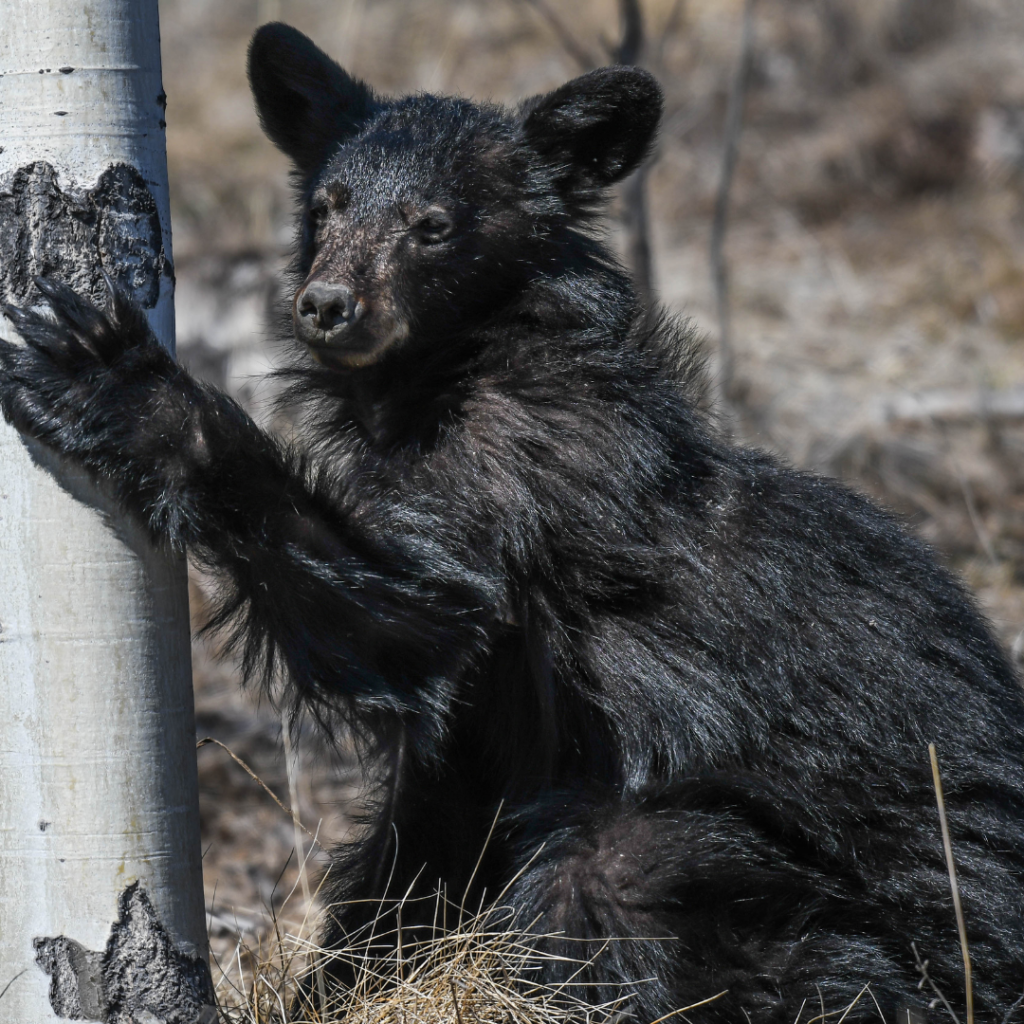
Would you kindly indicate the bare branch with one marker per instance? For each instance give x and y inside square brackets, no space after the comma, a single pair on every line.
[631,45]
[572,46]
[629,50]
[273,796]
[730,150]
[291,771]
[634,190]
[638,234]
[952,406]
[672,22]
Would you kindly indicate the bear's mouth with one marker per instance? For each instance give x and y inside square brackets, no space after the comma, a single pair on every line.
[354,351]
[342,329]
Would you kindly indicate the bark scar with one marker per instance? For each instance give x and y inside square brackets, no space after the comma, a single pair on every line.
[76,235]
[140,978]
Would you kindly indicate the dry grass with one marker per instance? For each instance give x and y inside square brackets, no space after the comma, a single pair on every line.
[480,971]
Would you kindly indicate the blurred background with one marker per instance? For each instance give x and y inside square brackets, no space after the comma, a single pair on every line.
[874,255]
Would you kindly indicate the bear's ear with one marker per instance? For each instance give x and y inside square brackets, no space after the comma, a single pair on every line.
[600,125]
[306,102]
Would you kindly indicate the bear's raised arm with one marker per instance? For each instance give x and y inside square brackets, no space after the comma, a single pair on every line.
[350,614]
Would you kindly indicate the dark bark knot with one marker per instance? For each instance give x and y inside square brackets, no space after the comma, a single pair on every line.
[76,236]
[140,978]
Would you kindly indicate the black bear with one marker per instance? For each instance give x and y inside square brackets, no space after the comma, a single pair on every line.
[517,561]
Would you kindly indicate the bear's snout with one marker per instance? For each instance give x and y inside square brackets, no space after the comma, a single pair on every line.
[324,311]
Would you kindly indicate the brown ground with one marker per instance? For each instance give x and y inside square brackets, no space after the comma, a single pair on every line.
[876,250]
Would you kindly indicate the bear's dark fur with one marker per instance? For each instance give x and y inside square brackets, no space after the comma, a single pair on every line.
[518,561]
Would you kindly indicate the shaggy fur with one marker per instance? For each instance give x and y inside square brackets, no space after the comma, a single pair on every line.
[520,564]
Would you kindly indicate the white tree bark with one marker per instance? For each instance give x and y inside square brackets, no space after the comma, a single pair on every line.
[97,734]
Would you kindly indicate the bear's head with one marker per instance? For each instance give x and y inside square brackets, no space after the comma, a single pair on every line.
[424,216]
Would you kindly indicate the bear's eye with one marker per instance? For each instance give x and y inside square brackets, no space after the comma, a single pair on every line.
[318,214]
[434,227]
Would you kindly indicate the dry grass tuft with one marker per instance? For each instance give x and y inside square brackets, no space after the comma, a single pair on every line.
[478,972]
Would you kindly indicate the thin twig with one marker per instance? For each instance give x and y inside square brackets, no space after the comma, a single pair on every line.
[968,495]
[293,799]
[972,512]
[1017,1003]
[926,979]
[730,151]
[948,847]
[965,488]
[257,779]
[572,46]
[12,981]
[630,51]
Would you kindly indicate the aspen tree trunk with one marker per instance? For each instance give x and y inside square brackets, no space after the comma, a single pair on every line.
[101,910]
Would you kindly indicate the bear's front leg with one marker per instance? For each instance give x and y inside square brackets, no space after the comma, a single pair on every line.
[98,388]
[353,611]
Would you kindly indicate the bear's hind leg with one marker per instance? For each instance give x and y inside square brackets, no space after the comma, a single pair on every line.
[660,906]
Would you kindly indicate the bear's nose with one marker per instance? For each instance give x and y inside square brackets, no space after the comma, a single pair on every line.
[328,305]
